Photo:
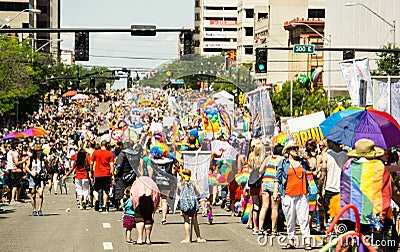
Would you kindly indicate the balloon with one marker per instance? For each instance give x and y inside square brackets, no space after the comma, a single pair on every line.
[315,74]
[304,80]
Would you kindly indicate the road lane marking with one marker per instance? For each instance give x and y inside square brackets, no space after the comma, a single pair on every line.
[108,246]
[106,225]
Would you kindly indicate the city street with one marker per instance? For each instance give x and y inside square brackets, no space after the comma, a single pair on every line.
[87,230]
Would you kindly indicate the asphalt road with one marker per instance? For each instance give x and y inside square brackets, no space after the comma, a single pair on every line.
[88,230]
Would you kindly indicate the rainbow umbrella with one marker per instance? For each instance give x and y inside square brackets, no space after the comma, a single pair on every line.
[14,135]
[35,132]
[348,126]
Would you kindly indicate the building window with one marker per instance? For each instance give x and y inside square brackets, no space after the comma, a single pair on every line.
[25,25]
[230,8]
[12,6]
[197,17]
[42,24]
[248,50]
[249,13]
[196,3]
[316,13]
[214,8]
[248,31]
[262,15]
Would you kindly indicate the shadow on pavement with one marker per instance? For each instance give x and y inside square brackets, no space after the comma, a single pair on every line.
[159,243]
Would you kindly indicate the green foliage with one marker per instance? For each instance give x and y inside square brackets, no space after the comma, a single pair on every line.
[304,100]
[15,72]
[388,63]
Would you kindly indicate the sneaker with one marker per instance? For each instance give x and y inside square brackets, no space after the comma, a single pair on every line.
[84,205]
[96,206]
[34,213]
[104,209]
[40,213]
[255,232]
[81,208]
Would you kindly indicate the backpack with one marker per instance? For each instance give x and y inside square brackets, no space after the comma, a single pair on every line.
[188,202]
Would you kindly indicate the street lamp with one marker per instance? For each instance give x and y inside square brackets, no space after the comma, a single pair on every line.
[393,26]
[329,62]
[8,20]
[47,43]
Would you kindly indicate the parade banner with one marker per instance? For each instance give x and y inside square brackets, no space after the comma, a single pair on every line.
[198,162]
[357,77]
[162,174]
[387,98]
[395,100]
[305,127]
[262,112]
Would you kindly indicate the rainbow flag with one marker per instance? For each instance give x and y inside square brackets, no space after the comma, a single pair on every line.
[367,186]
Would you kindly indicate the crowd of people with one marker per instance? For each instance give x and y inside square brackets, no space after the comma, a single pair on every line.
[268,185]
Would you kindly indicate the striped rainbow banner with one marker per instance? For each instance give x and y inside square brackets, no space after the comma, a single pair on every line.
[367,186]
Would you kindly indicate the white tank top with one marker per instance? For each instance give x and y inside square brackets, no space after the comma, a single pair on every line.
[336,160]
[10,162]
[37,166]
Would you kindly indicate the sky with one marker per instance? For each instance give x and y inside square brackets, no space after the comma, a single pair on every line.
[116,50]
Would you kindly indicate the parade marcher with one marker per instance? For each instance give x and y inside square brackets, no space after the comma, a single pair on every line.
[102,168]
[291,185]
[255,181]
[189,194]
[268,183]
[128,221]
[14,166]
[333,161]
[82,187]
[126,169]
[310,153]
[37,170]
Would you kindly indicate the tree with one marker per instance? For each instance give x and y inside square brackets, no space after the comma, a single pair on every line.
[388,63]
[16,70]
[303,100]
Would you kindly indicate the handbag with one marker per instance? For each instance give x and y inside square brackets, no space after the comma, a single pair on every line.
[255,178]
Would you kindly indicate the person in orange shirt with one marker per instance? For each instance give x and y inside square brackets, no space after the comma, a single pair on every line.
[82,161]
[102,169]
[291,185]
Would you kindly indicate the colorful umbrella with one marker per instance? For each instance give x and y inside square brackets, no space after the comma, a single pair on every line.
[145,186]
[348,126]
[69,93]
[14,135]
[35,132]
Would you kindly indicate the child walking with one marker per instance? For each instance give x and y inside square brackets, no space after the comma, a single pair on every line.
[128,221]
[189,205]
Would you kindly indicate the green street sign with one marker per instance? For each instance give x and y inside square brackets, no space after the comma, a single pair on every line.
[303,49]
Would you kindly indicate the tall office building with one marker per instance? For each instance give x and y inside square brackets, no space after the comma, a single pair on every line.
[215,26]
[18,14]
[247,20]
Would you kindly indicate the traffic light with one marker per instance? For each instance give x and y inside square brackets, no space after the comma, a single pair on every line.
[188,43]
[92,84]
[261,60]
[129,79]
[349,54]
[81,46]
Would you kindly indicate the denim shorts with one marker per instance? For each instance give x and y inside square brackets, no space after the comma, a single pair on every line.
[36,183]
[268,187]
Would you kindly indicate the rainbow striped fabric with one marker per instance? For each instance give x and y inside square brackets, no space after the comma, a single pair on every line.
[270,170]
[367,186]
